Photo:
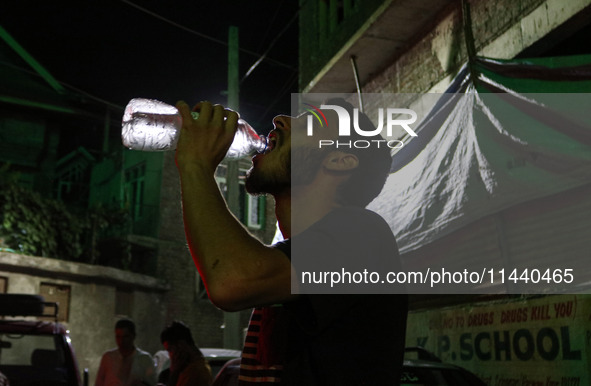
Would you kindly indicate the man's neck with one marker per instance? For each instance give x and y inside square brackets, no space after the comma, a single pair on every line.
[310,205]
[283,213]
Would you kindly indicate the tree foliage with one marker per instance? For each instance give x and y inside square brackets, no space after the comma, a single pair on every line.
[40,226]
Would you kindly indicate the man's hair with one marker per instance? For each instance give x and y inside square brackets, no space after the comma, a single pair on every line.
[368,179]
[177,331]
[126,323]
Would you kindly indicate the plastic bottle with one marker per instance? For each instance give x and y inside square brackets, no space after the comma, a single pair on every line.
[152,125]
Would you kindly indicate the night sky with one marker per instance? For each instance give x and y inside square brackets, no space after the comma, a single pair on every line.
[115,51]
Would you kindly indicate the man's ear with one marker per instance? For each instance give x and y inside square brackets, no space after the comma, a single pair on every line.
[340,161]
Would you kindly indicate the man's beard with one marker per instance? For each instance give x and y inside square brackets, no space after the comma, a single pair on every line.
[307,161]
[271,181]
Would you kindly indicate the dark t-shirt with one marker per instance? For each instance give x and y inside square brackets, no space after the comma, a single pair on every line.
[328,339]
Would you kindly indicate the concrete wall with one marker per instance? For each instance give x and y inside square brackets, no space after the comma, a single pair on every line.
[94,293]
[501,29]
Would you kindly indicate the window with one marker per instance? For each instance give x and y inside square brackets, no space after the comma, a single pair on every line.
[68,181]
[255,212]
[220,177]
[22,349]
[59,294]
[332,13]
[134,189]
[72,176]
[252,208]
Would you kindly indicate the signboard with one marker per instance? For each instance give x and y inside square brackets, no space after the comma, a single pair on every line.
[541,340]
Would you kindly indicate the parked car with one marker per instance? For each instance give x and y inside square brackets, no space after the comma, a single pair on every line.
[228,374]
[35,351]
[425,370]
[217,357]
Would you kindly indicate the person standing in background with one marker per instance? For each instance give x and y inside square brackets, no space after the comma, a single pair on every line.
[188,367]
[126,365]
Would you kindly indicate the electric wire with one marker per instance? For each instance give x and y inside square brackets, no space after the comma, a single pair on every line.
[286,86]
[66,85]
[261,57]
[269,26]
[264,55]
[202,35]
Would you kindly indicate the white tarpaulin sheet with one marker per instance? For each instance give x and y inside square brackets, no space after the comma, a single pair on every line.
[479,151]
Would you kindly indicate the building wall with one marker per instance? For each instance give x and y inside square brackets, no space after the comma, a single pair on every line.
[99,296]
[501,29]
[320,38]
[28,145]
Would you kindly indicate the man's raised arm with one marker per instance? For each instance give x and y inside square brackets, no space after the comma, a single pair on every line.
[238,270]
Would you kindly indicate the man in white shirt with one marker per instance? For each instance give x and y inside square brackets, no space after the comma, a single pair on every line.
[126,365]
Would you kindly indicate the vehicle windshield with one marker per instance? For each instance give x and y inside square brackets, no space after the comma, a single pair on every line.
[33,359]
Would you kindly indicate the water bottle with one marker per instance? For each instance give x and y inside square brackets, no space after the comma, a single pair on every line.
[152,125]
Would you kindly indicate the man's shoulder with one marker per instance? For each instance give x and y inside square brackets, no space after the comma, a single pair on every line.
[111,355]
[111,352]
[351,215]
[346,238]
[141,353]
[356,223]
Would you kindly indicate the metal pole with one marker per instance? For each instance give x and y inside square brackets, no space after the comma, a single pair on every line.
[232,333]
[357,82]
